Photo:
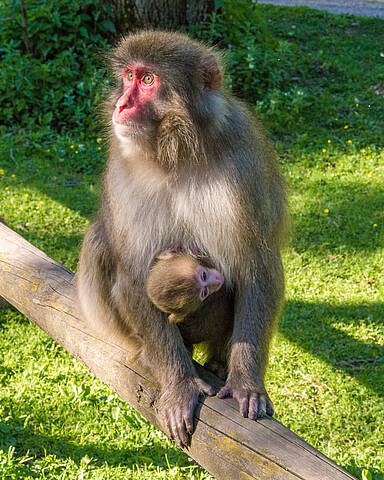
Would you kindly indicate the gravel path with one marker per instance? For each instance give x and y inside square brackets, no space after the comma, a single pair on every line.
[366,8]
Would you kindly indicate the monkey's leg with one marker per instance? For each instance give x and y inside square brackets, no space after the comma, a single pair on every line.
[220,322]
[217,361]
[93,282]
[213,325]
[166,356]
[257,305]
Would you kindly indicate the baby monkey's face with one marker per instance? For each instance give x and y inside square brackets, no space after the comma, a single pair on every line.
[208,280]
[178,283]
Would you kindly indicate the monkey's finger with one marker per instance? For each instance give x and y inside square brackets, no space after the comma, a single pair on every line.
[243,404]
[188,422]
[167,426]
[224,392]
[269,408]
[174,431]
[262,411]
[253,407]
[182,433]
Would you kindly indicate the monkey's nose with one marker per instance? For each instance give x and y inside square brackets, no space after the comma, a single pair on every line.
[217,283]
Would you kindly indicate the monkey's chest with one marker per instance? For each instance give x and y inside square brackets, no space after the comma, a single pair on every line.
[209,219]
[193,217]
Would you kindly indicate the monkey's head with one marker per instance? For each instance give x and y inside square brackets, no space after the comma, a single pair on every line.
[178,284]
[165,80]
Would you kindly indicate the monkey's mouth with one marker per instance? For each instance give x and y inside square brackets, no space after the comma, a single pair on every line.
[122,128]
[127,127]
[128,121]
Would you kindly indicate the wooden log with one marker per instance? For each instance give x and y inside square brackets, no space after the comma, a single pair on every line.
[224,443]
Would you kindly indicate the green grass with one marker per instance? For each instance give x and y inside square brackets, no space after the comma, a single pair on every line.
[327,362]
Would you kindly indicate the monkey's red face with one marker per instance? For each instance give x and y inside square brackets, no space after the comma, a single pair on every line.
[140,87]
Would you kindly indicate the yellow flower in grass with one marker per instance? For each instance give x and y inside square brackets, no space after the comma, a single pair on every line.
[375,225]
[98,140]
[363,150]
[329,141]
[326,210]
[1,171]
[324,150]
[13,175]
[76,151]
[345,127]
[72,146]
[99,148]
[349,141]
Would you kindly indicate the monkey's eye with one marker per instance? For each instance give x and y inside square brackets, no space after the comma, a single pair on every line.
[148,78]
[204,276]
[204,292]
[130,75]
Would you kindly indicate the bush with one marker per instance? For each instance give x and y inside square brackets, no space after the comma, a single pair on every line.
[43,88]
[256,61]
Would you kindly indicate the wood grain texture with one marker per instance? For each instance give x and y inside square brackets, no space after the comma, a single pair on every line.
[224,443]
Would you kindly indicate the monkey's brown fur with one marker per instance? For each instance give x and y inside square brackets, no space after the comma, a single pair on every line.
[173,287]
[198,172]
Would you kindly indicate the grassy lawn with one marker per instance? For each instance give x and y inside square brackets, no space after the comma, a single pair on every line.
[326,367]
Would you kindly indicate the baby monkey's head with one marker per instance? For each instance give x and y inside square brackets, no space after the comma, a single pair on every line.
[178,284]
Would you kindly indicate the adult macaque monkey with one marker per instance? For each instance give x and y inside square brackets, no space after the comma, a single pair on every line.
[178,284]
[188,165]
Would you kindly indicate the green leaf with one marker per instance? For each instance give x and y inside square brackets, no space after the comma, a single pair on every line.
[108,26]
[366,475]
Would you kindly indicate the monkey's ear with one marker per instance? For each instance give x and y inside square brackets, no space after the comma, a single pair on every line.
[175,318]
[211,72]
[166,254]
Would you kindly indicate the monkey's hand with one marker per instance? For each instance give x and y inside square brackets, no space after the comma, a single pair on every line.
[177,404]
[253,399]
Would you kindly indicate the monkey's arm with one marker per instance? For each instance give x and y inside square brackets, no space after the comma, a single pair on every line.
[116,305]
[257,305]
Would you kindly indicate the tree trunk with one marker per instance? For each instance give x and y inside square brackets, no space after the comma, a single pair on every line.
[159,14]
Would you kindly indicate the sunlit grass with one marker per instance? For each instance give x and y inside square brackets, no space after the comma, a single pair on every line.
[327,361]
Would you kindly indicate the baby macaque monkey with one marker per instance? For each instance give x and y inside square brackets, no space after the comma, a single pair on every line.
[178,284]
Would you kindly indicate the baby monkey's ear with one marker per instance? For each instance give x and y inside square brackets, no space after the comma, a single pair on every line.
[166,254]
[175,318]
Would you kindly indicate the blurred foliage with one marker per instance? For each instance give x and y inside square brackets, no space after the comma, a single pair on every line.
[304,72]
[57,84]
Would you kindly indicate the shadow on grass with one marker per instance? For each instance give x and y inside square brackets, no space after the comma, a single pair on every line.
[353,209]
[28,441]
[314,327]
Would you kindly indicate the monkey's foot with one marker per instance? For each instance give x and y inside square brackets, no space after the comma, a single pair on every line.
[177,405]
[218,368]
[254,401]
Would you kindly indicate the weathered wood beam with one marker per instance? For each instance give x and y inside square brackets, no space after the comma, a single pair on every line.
[224,443]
